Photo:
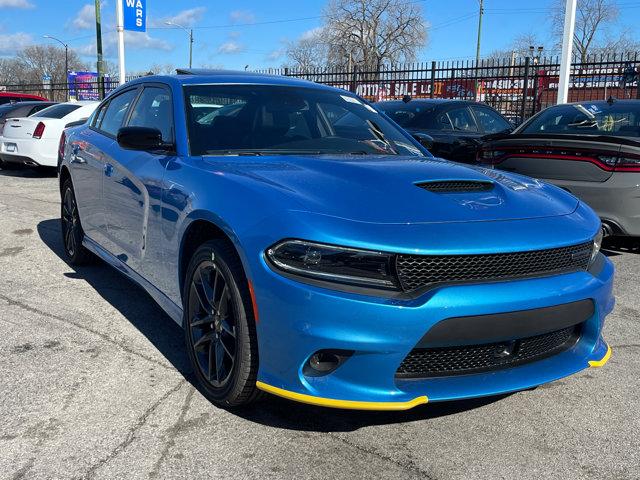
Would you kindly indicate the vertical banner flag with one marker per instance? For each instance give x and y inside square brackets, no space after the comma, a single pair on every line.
[135,15]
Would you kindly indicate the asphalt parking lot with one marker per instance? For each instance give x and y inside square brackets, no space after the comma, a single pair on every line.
[95,383]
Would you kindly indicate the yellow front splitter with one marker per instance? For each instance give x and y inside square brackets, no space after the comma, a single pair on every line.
[346,404]
[603,360]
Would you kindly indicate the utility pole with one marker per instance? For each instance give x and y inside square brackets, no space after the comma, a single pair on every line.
[66,60]
[190,32]
[567,50]
[99,50]
[480,15]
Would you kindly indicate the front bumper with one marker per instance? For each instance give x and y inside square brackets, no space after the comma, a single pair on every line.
[296,320]
[616,200]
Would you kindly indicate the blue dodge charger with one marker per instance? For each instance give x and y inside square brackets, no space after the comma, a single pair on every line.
[312,249]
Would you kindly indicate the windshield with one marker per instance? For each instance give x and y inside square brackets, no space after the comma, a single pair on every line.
[276,120]
[616,119]
[57,111]
[408,115]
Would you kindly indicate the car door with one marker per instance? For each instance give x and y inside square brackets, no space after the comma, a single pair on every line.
[464,134]
[89,150]
[133,184]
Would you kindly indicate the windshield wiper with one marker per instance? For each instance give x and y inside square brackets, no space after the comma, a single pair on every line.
[377,131]
[261,152]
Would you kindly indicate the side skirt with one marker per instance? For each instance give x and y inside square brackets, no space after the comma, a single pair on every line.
[170,308]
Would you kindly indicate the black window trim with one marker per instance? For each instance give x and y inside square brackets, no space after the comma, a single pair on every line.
[162,86]
[107,102]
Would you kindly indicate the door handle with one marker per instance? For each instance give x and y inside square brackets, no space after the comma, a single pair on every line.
[108,169]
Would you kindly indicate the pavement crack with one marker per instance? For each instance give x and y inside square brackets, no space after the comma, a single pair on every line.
[103,336]
[172,433]
[131,434]
[407,465]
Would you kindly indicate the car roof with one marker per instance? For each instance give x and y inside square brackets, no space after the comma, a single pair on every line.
[27,104]
[200,77]
[624,101]
[431,101]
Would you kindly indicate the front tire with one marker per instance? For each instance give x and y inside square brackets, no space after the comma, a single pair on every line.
[219,326]
[72,233]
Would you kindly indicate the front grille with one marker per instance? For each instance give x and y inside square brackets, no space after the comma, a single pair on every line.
[421,271]
[456,186]
[463,360]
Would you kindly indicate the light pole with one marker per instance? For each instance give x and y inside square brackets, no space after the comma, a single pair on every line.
[481,13]
[66,60]
[190,32]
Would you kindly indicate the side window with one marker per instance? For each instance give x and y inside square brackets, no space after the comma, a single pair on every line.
[36,109]
[115,112]
[490,121]
[462,120]
[153,110]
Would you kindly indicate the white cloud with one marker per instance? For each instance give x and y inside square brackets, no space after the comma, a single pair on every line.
[85,18]
[10,43]
[312,34]
[231,47]
[242,16]
[16,4]
[132,40]
[185,18]
[276,54]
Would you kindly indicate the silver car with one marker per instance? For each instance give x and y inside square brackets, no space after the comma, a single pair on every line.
[591,149]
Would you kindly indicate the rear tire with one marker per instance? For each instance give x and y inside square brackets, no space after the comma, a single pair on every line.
[72,233]
[219,325]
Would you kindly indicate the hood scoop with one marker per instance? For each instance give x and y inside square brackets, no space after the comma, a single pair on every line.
[456,186]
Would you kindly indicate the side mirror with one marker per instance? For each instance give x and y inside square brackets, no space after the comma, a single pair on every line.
[425,140]
[141,138]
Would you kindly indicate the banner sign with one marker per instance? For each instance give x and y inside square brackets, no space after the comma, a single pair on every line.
[135,15]
[84,85]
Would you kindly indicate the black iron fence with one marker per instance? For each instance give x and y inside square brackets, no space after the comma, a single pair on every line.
[517,87]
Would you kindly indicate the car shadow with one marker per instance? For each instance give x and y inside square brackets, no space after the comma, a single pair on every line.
[23,171]
[613,246]
[167,337]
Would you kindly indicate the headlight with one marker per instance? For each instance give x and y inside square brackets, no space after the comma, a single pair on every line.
[367,268]
[597,243]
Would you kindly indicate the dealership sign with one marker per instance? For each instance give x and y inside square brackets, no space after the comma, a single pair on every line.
[135,15]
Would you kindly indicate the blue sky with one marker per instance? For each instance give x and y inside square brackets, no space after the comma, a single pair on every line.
[251,32]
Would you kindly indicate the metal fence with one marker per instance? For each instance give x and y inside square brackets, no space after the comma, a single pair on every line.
[517,87]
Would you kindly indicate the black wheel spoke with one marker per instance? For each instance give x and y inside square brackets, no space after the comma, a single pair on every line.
[204,293]
[212,324]
[199,322]
[209,337]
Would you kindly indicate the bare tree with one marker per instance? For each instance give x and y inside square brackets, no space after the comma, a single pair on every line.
[309,52]
[593,17]
[363,33]
[39,60]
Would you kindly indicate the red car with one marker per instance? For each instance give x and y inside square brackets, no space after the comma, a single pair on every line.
[9,97]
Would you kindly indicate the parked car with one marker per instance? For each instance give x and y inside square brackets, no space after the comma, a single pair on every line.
[34,140]
[21,109]
[451,129]
[591,149]
[11,97]
[312,249]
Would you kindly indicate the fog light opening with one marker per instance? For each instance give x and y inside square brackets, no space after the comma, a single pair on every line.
[324,362]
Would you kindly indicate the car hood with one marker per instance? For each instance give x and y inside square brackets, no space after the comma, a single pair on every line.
[384,189]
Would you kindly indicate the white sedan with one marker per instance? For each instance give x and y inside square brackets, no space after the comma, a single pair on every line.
[33,140]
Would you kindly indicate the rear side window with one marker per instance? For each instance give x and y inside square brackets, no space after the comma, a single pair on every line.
[490,121]
[461,120]
[153,110]
[114,115]
[36,109]
[57,111]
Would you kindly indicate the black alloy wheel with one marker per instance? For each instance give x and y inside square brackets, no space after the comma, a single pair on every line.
[72,233]
[219,327]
